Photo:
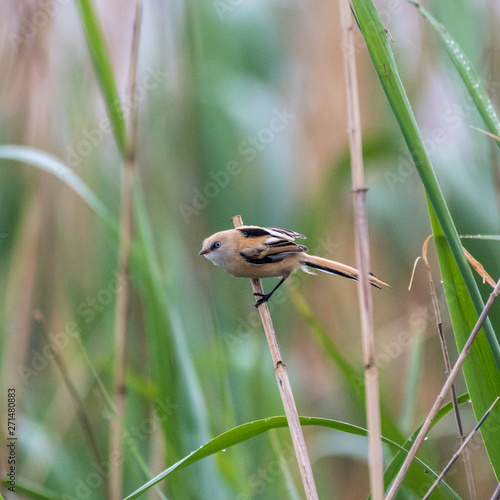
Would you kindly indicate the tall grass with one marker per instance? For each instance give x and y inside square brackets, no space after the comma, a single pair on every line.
[234,117]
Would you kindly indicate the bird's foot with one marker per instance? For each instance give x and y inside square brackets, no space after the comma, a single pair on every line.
[264,297]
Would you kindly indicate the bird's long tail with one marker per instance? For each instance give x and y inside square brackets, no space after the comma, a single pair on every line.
[332,267]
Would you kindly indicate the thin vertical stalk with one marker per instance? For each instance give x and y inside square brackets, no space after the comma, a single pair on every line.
[447,365]
[122,296]
[285,389]
[375,462]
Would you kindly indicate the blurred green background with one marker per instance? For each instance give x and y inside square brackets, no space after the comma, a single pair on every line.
[241,110]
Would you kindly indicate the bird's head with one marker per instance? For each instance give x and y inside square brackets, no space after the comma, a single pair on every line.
[217,248]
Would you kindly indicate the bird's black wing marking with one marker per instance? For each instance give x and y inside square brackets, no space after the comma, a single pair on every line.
[273,254]
[278,244]
[253,232]
[276,232]
[266,259]
[284,247]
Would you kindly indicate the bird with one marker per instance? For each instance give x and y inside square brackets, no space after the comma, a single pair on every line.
[270,252]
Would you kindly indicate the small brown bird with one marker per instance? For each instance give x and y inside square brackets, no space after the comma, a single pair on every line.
[269,252]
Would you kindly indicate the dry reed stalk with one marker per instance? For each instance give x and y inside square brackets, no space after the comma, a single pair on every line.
[447,366]
[440,398]
[123,292]
[285,389]
[460,450]
[375,461]
[496,493]
[80,409]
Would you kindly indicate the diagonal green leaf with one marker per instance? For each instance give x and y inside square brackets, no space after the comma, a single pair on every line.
[32,490]
[395,465]
[146,268]
[467,71]
[169,351]
[102,66]
[492,237]
[383,59]
[480,371]
[465,302]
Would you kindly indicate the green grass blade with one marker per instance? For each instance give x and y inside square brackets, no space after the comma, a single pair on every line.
[467,71]
[463,297]
[158,326]
[50,163]
[249,430]
[127,437]
[354,380]
[28,489]
[102,66]
[415,370]
[172,367]
[492,237]
[377,41]
[285,465]
[480,371]
[395,465]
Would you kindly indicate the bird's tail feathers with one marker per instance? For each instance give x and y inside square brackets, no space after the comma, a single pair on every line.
[332,267]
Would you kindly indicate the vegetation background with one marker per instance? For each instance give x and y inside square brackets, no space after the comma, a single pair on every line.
[240,111]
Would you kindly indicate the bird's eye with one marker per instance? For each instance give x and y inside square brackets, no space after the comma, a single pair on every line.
[216,245]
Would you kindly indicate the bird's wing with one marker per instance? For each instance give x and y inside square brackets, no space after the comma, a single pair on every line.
[269,232]
[271,244]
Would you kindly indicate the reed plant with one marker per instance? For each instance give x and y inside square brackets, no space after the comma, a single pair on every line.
[130,133]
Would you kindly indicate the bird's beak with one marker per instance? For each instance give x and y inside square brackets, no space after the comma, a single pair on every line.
[204,250]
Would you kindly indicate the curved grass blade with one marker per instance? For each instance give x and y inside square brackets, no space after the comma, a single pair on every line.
[32,490]
[249,430]
[377,41]
[102,65]
[165,336]
[398,460]
[54,166]
[159,312]
[467,71]
[463,297]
